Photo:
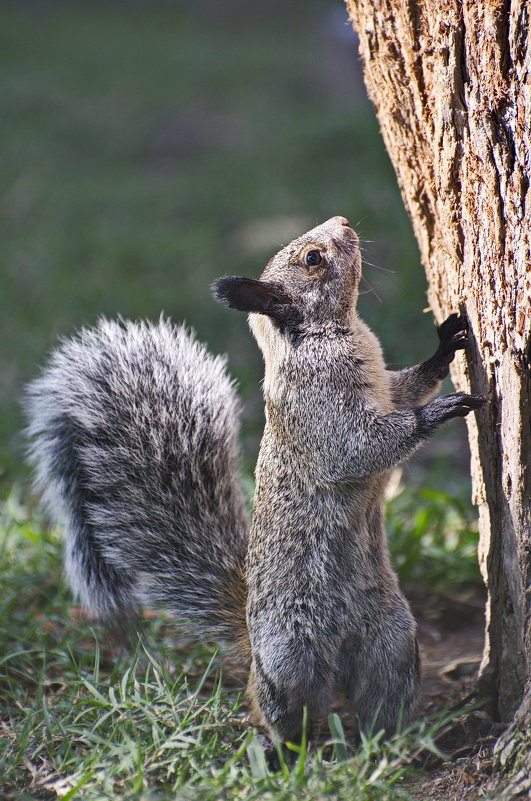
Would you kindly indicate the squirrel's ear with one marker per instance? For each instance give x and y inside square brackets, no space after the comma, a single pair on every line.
[248,295]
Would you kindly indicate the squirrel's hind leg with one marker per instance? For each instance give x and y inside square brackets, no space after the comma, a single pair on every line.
[278,706]
[384,675]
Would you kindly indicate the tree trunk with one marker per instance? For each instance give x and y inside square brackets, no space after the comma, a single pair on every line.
[451,82]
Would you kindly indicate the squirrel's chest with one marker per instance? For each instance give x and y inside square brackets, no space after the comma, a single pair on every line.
[314,411]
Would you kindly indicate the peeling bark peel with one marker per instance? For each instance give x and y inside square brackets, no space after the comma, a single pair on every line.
[451,83]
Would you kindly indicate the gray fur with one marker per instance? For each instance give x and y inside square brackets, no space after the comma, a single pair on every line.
[133,430]
[324,608]
[134,443]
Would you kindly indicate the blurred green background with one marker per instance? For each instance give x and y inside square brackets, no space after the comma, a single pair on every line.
[148,147]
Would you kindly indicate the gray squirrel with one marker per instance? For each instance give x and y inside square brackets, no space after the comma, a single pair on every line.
[133,430]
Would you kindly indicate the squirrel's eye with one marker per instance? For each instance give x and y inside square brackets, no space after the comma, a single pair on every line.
[313,258]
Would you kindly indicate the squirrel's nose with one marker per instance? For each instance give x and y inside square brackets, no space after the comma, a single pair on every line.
[341,221]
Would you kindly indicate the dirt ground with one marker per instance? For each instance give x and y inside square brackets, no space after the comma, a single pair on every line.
[451,635]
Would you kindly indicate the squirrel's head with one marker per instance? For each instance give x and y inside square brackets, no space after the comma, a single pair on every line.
[310,286]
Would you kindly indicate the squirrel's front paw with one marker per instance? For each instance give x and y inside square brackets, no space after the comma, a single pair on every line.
[437,411]
[453,336]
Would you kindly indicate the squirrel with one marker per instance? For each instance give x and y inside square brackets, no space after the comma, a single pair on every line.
[133,430]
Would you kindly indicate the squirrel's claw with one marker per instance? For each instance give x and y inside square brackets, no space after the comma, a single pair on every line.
[454,324]
[453,336]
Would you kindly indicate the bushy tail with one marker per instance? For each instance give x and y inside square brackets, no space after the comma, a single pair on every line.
[133,430]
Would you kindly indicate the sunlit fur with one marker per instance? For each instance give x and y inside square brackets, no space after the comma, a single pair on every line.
[133,431]
[324,608]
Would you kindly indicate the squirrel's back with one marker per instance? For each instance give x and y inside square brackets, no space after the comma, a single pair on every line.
[133,431]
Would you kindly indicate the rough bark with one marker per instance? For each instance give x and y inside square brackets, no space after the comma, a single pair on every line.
[451,83]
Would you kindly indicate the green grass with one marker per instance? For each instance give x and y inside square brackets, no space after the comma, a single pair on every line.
[433,538]
[81,714]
